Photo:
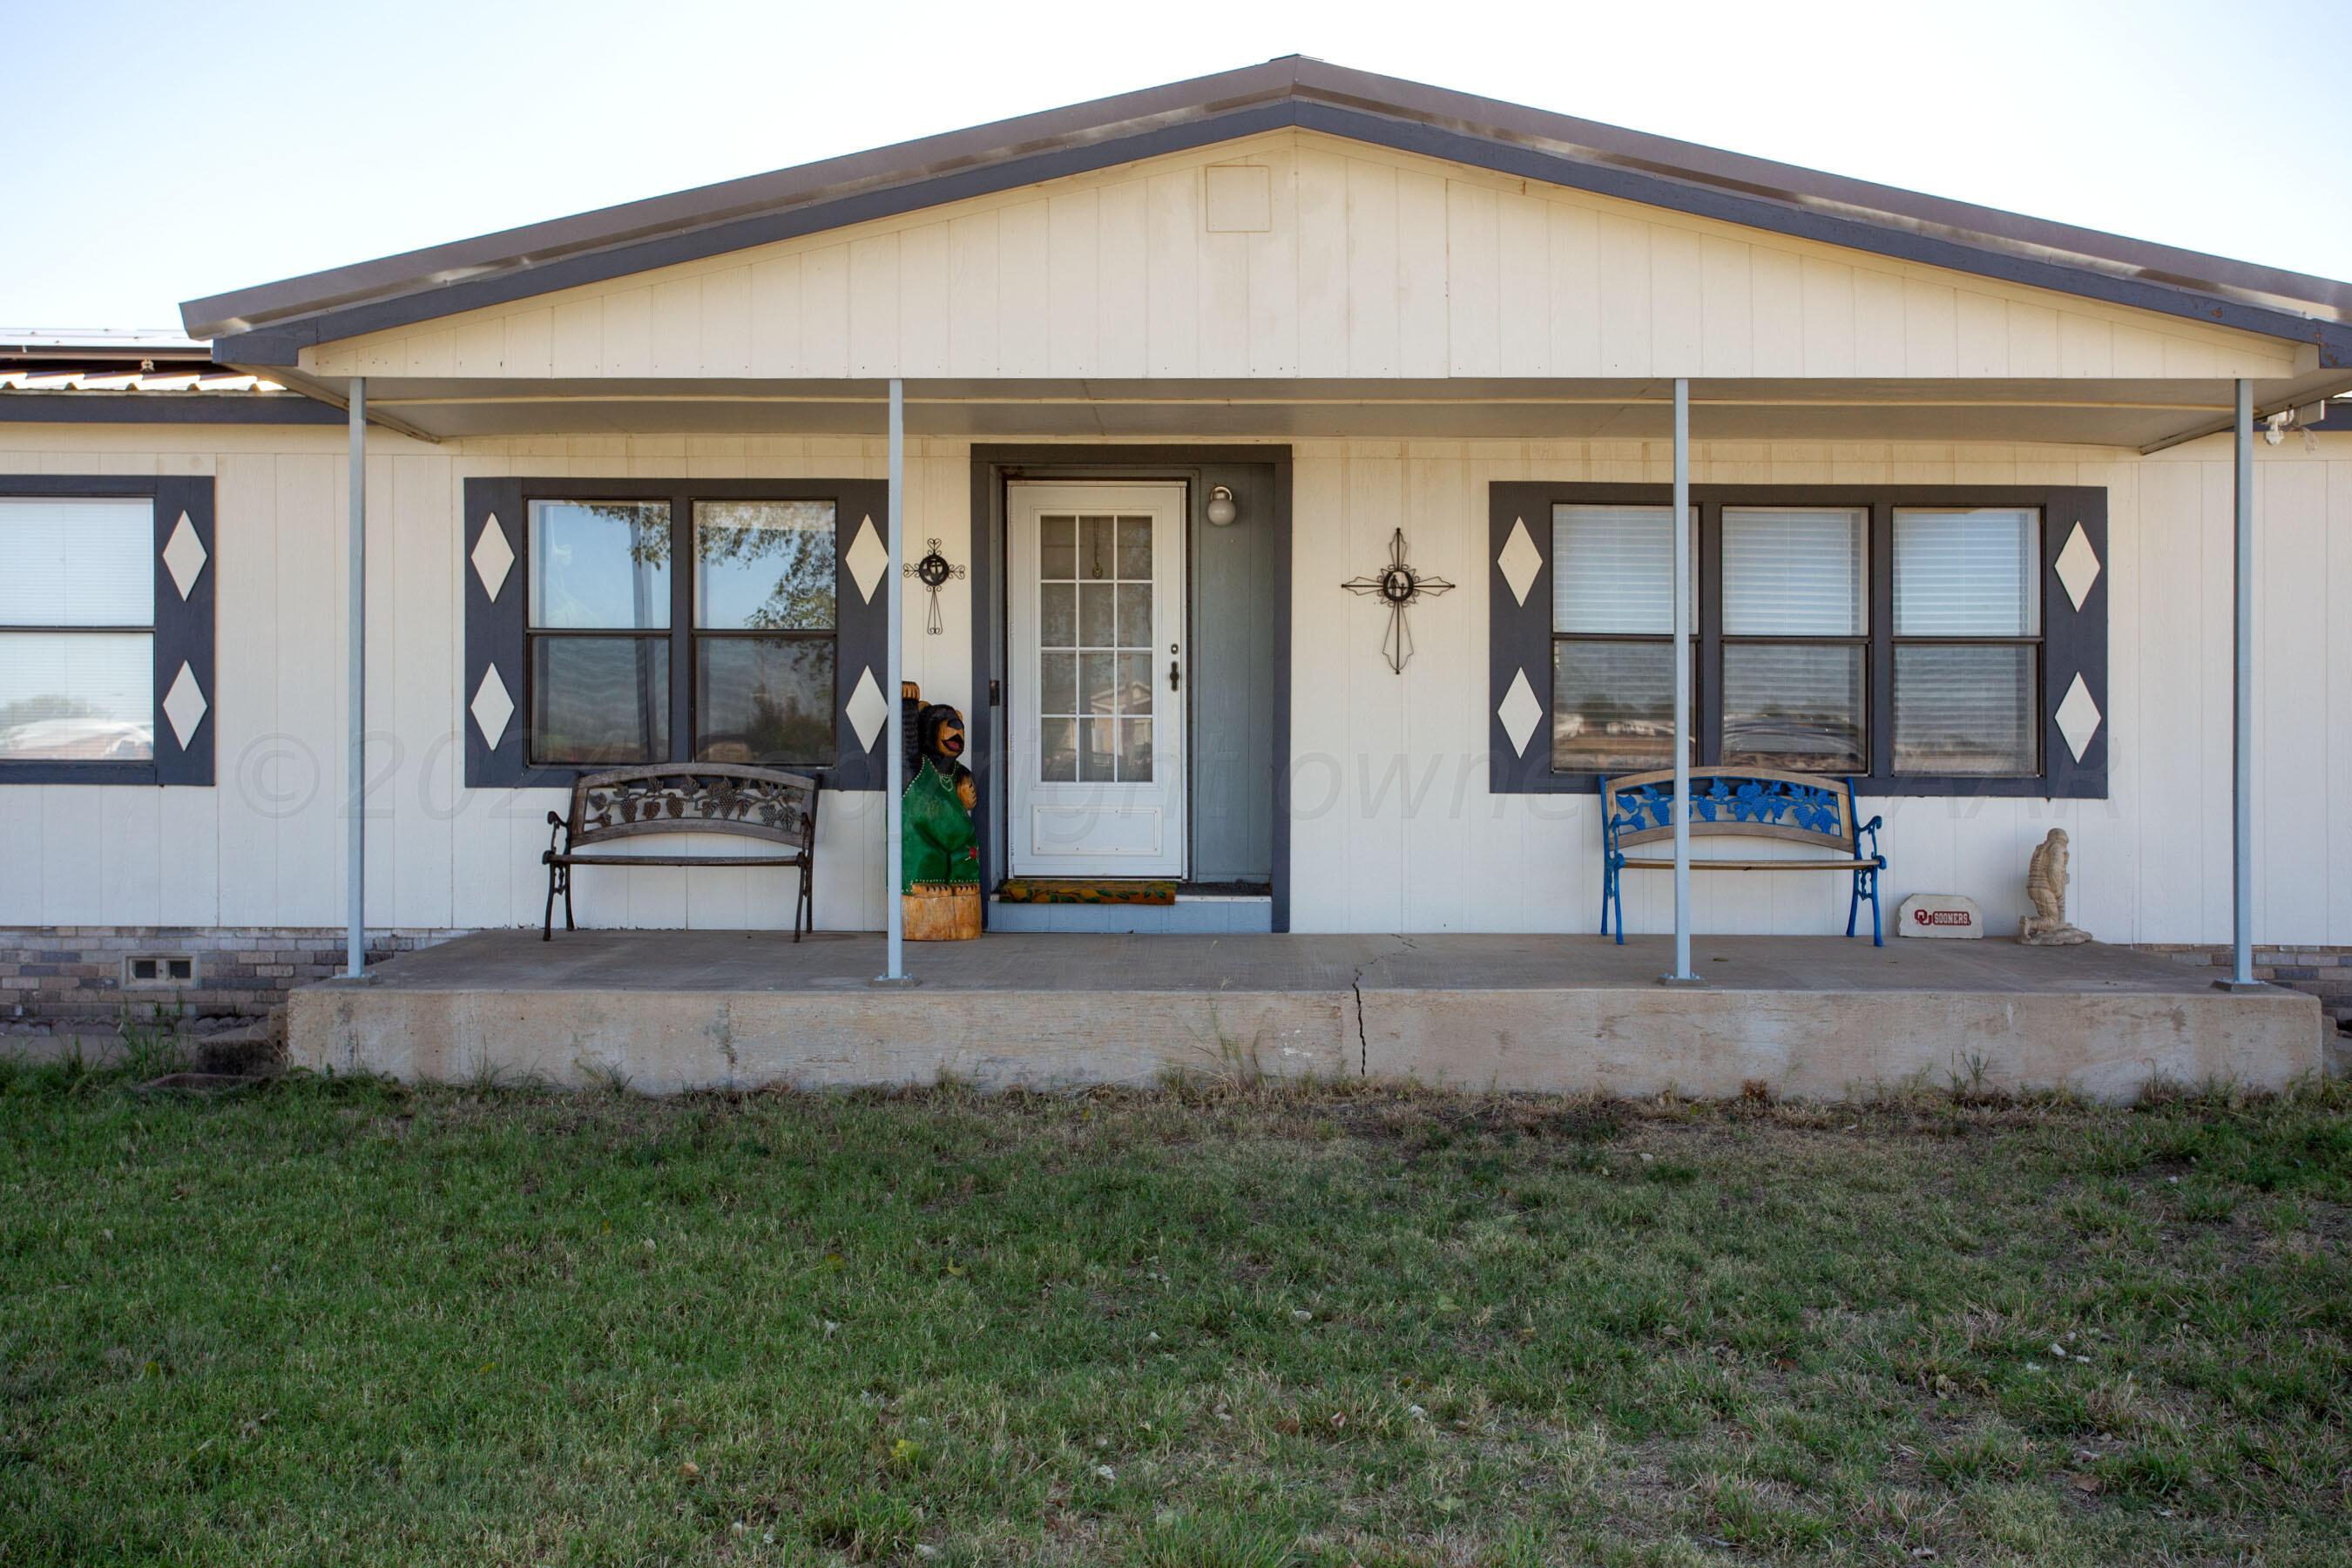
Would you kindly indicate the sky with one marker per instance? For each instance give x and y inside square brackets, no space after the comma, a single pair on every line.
[158,153]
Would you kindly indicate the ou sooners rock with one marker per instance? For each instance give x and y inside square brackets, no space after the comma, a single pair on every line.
[1940,915]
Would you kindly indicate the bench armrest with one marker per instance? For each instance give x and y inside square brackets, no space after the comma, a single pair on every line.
[1870,827]
[558,838]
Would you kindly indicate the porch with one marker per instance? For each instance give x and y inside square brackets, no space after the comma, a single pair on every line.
[1812,1017]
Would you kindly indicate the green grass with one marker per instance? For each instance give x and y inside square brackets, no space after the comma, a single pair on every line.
[324,1323]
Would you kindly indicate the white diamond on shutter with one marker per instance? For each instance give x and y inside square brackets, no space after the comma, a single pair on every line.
[493,557]
[1520,712]
[2078,566]
[492,706]
[1520,560]
[2078,717]
[866,558]
[866,709]
[184,705]
[184,556]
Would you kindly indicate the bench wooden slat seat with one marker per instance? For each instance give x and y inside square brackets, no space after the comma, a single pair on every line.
[1748,803]
[692,797]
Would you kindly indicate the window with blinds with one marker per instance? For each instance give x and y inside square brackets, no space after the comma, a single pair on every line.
[1796,638]
[1966,632]
[1613,637]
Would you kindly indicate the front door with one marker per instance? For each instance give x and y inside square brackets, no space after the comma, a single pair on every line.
[1095,617]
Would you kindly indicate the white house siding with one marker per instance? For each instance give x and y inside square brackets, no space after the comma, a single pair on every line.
[1393,828]
[1376,264]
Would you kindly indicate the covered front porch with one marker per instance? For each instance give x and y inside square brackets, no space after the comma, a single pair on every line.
[1812,1017]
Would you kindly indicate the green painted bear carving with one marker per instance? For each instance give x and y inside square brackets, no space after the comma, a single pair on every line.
[940,845]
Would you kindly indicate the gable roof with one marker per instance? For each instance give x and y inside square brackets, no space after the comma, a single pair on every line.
[269,324]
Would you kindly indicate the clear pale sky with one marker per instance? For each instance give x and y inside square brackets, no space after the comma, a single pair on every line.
[157,152]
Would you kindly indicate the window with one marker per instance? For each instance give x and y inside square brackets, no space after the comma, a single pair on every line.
[606,637]
[1612,661]
[77,628]
[1967,629]
[1796,638]
[1093,658]
[1923,640]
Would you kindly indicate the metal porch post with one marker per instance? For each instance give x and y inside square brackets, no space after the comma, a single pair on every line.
[1682,975]
[355,676]
[895,764]
[2241,712]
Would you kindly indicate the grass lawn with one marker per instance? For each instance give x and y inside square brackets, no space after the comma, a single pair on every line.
[325,1322]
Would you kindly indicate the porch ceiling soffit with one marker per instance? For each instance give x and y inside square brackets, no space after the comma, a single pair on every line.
[2137,414]
[269,324]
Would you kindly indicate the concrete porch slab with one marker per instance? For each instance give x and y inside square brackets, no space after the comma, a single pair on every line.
[1811,1018]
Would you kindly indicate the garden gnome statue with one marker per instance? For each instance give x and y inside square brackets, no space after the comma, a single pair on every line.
[2045,887]
[940,852]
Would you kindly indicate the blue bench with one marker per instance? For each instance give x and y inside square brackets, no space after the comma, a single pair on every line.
[1746,803]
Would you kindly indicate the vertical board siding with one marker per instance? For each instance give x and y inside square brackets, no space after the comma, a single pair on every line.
[1392,826]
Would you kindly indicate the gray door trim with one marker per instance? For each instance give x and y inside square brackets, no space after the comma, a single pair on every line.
[992,467]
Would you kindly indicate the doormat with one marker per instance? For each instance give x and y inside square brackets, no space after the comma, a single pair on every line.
[1079,891]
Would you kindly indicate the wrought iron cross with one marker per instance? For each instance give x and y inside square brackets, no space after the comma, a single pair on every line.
[932,571]
[1399,584]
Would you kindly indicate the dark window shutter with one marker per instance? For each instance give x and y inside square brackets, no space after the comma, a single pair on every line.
[863,631]
[184,629]
[495,529]
[2075,643]
[1518,638]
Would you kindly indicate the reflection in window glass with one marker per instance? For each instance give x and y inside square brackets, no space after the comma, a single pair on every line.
[1963,708]
[763,565]
[599,564]
[1613,706]
[77,696]
[764,700]
[1797,706]
[600,700]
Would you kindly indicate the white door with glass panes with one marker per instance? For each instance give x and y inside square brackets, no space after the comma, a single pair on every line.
[1096,633]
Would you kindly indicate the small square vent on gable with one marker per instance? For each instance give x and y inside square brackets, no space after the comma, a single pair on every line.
[1239,198]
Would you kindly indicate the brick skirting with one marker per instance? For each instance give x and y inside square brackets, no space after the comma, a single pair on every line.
[82,972]
[2323,972]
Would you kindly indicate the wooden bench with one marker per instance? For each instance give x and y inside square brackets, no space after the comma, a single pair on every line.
[701,797]
[1748,803]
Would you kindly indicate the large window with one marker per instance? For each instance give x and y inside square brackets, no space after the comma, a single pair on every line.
[1943,639]
[612,623]
[77,629]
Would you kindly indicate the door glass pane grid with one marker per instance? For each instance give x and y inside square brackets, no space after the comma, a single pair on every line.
[1094,688]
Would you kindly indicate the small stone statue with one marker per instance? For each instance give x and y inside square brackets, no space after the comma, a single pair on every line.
[2045,886]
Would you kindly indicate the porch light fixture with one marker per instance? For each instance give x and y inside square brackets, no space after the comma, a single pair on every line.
[1222,509]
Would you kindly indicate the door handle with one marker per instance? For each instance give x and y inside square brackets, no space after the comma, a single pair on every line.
[1172,676]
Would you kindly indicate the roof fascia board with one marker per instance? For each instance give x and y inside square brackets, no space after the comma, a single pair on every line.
[280,344]
[162,408]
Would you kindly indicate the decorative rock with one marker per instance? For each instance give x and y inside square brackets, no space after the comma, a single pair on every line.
[1944,915]
[2045,888]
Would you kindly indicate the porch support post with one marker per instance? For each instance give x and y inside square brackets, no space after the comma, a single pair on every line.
[895,763]
[1682,975]
[355,699]
[2241,712]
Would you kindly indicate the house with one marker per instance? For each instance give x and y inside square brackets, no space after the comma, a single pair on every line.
[1964,488]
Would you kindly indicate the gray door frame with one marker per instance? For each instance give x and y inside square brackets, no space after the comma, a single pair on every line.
[1260,474]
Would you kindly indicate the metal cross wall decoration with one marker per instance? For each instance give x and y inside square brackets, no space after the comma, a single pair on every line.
[1398,584]
[932,571]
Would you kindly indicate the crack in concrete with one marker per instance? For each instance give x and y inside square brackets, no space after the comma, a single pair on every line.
[1363,1051]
